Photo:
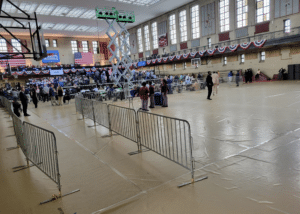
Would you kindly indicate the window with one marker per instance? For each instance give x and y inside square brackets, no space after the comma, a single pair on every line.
[262,56]
[225,60]
[147,39]
[287,26]
[16,45]
[172,25]
[74,47]
[242,13]
[242,58]
[184,65]
[182,24]
[128,48]
[195,22]
[47,43]
[85,47]
[3,46]
[95,46]
[174,67]
[54,43]
[224,15]
[262,10]
[154,35]
[209,42]
[140,40]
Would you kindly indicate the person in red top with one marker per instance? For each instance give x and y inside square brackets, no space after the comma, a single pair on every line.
[144,95]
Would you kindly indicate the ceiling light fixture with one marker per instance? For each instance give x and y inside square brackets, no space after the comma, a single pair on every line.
[61,11]
[71,27]
[28,7]
[76,12]
[45,9]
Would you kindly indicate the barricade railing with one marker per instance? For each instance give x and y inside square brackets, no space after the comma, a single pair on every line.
[166,136]
[41,150]
[78,104]
[123,122]
[101,113]
[39,147]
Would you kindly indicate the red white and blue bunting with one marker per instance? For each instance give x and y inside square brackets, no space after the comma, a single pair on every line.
[148,62]
[159,60]
[201,53]
[211,51]
[165,59]
[178,57]
[28,72]
[245,45]
[171,58]
[93,69]
[20,73]
[73,70]
[154,61]
[233,47]
[259,43]
[193,54]
[36,72]
[222,49]
[45,71]
[185,56]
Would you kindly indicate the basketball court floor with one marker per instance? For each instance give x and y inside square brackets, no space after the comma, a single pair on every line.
[246,140]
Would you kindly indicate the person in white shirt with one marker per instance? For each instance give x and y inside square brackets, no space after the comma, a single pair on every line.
[215,79]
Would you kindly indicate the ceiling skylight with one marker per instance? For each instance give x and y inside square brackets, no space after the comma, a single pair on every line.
[137,2]
[90,14]
[61,11]
[8,8]
[28,7]
[76,12]
[82,28]
[59,27]
[71,27]
[45,9]
[46,26]
[5,23]
[92,29]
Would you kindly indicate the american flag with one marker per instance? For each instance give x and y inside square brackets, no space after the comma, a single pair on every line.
[84,58]
[163,40]
[18,61]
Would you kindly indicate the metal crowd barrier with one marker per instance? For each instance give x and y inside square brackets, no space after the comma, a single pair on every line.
[123,121]
[39,147]
[166,136]
[41,150]
[78,104]
[101,113]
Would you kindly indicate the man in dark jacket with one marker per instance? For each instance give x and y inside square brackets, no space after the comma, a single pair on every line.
[209,84]
[24,102]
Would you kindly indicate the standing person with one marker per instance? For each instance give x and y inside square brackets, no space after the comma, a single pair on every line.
[52,95]
[16,106]
[60,95]
[209,84]
[151,92]
[144,91]
[164,91]
[24,101]
[46,92]
[237,78]
[230,75]
[34,96]
[215,79]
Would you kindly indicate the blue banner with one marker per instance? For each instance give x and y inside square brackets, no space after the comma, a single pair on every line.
[142,64]
[52,56]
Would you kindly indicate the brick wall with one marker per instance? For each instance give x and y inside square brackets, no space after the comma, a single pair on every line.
[232,58]
[251,56]
[216,60]
[274,53]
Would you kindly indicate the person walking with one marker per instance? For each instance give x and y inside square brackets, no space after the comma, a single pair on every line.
[209,84]
[16,106]
[237,78]
[46,92]
[60,95]
[151,92]
[230,75]
[34,96]
[164,92]
[24,101]
[144,92]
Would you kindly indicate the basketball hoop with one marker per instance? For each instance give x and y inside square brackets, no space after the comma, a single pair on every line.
[16,76]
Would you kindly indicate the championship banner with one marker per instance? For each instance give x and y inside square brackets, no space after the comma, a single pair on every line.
[133,43]
[163,40]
